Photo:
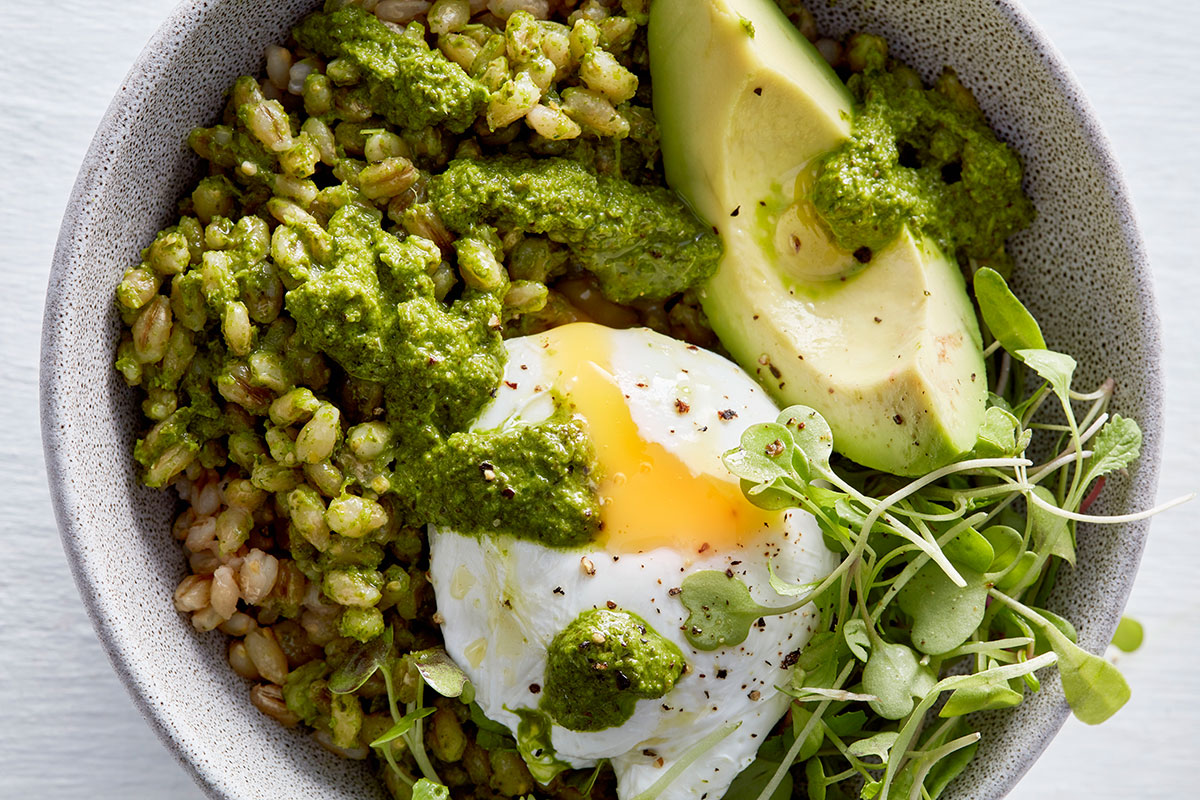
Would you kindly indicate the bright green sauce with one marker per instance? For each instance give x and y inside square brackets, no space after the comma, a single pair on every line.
[406,82]
[641,242]
[601,664]
[922,157]
[372,309]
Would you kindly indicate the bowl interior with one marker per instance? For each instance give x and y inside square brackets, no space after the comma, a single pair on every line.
[1082,270]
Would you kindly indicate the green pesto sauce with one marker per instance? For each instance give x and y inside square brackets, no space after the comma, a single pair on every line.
[232,147]
[601,664]
[407,83]
[371,308]
[639,241]
[958,184]
[531,481]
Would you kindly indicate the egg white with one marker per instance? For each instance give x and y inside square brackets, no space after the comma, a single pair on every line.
[504,599]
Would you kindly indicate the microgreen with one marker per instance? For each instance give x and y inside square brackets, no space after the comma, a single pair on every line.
[814,735]
[491,734]
[1000,435]
[1117,445]
[1055,368]
[688,758]
[1129,635]
[857,638]
[1007,318]
[801,737]
[877,746]
[970,699]
[928,773]
[361,663]
[407,726]
[896,676]
[993,676]
[721,607]
[1007,546]
[440,673]
[1094,688]
[750,782]
[1051,532]
[942,575]
[943,615]
[402,726]
[970,550]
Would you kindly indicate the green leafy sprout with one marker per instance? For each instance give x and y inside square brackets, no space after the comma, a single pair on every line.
[436,670]
[935,610]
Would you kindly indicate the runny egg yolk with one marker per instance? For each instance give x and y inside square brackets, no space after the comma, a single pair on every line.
[649,497]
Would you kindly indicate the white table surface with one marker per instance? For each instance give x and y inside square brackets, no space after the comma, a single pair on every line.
[67,727]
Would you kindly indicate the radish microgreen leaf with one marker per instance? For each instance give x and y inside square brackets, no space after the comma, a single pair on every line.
[857,638]
[439,672]
[970,699]
[403,726]
[1115,447]
[895,676]
[721,607]
[970,549]
[1006,316]
[944,615]
[1129,635]
[1094,688]
[363,660]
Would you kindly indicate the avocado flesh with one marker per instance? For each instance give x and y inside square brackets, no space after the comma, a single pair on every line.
[889,351]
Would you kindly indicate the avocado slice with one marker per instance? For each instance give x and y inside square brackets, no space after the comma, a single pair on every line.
[889,351]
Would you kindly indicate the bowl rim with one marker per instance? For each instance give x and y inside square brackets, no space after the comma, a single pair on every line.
[92,179]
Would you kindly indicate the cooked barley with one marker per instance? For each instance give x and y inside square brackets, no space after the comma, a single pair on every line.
[239,659]
[269,700]
[193,593]
[267,656]
[224,592]
[257,576]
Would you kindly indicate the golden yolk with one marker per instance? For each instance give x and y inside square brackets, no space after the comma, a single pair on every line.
[649,497]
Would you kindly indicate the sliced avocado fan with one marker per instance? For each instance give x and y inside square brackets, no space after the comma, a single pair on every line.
[885,345]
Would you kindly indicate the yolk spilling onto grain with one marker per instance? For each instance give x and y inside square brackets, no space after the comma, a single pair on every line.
[649,497]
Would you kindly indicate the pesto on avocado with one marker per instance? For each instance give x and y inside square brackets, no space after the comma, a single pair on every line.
[403,79]
[601,664]
[923,157]
[641,242]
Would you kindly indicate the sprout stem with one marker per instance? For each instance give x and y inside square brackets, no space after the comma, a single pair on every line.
[1113,520]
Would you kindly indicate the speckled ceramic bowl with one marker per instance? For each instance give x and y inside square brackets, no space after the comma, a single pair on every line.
[1082,270]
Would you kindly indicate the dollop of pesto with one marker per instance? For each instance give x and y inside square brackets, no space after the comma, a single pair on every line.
[533,481]
[404,80]
[368,303]
[371,307]
[921,157]
[601,664]
[641,242]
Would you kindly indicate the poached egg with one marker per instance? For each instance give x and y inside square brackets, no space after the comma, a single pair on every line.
[660,414]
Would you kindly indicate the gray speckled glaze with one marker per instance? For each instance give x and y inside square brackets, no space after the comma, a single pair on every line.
[1082,270]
